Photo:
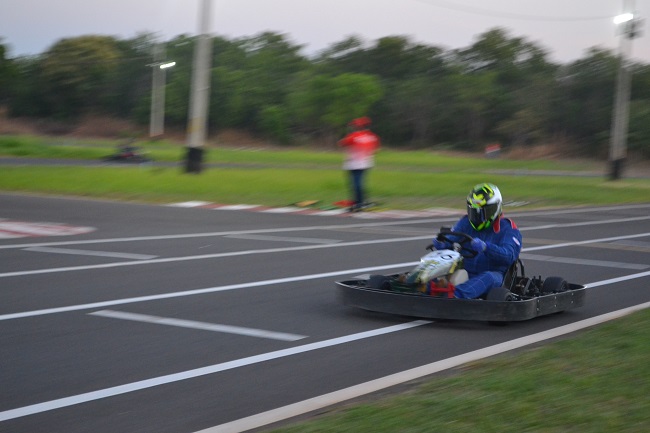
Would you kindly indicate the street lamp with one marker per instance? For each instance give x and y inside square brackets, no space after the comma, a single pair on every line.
[629,29]
[199,93]
[157,116]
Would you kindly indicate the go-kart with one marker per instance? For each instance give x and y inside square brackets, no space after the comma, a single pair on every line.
[427,291]
[127,153]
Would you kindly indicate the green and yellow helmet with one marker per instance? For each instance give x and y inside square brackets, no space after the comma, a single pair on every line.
[484,205]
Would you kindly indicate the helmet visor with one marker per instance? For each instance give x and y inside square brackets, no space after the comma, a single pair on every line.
[476,217]
[482,217]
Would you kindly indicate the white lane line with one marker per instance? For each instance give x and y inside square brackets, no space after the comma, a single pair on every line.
[285,239]
[104,304]
[305,406]
[587,223]
[206,256]
[189,204]
[90,253]
[343,226]
[190,374]
[239,206]
[281,210]
[285,249]
[13,228]
[586,262]
[226,233]
[192,324]
[330,212]
[589,241]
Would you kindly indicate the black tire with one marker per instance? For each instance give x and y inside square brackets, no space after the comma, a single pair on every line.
[499,294]
[554,285]
[379,282]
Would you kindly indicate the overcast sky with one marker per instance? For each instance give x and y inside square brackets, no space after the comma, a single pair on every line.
[564,28]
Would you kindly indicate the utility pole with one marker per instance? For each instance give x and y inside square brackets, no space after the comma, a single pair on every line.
[629,29]
[157,118]
[159,67]
[200,93]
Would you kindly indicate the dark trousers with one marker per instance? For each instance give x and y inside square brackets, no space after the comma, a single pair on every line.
[356,183]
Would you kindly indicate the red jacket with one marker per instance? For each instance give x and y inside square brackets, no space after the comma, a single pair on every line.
[360,149]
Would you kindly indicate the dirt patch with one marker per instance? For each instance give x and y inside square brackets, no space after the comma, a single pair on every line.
[106,127]
[14,126]
[541,151]
[88,127]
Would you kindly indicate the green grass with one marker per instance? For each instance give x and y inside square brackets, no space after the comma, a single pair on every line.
[281,186]
[401,180]
[595,382]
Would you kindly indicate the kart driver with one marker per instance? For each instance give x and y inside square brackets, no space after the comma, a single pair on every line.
[496,239]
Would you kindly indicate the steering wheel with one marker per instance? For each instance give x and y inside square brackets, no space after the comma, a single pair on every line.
[465,242]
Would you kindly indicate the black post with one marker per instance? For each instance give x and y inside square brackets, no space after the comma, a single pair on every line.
[616,167]
[194,160]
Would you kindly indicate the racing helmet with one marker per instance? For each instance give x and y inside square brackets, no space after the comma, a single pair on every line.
[483,205]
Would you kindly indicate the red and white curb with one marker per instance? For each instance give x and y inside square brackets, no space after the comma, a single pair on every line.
[20,229]
[397,214]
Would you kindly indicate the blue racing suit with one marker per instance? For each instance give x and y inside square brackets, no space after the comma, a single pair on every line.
[488,268]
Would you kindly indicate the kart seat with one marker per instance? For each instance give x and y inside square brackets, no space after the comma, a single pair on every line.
[513,271]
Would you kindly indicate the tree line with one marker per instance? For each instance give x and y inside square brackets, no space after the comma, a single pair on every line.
[500,89]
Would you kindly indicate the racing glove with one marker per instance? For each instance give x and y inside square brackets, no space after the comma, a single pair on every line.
[478,245]
[439,245]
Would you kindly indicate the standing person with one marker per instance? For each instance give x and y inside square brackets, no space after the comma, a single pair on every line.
[496,239]
[360,146]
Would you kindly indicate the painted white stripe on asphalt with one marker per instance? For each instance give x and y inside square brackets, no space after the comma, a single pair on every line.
[284,239]
[589,223]
[281,210]
[190,374]
[104,304]
[238,207]
[360,390]
[332,227]
[10,228]
[190,204]
[286,249]
[327,399]
[192,324]
[589,241]
[90,253]
[205,256]
[586,262]
[330,212]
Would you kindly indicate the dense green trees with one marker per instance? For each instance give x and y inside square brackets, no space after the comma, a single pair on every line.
[499,89]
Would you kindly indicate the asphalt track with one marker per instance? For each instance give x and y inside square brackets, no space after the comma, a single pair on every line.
[167,319]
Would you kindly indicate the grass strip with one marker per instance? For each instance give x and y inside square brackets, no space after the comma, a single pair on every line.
[595,382]
[282,186]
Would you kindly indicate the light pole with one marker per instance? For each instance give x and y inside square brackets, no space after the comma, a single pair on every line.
[629,26]
[200,93]
[159,67]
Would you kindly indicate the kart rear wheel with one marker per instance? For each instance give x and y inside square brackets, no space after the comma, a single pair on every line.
[379,282]
[500,294]
[554,285]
